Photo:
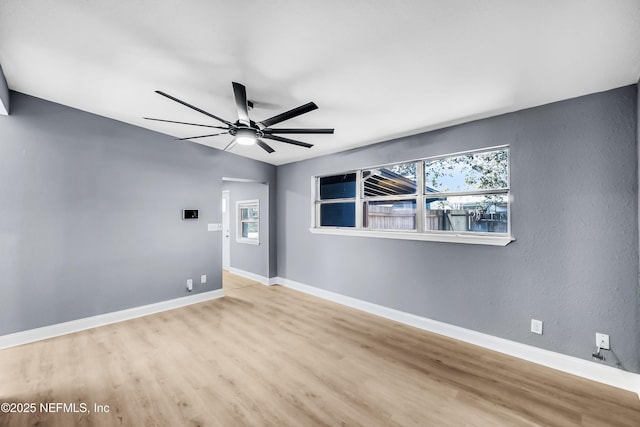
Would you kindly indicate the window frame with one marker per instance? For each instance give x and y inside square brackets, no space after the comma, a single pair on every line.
[246,204]
[420,232]
[317,202]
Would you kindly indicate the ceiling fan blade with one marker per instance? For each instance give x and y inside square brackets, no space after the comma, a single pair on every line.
[184,123]
[230,145]
[240,93]
[289,114]
[261,104]
[288,141]
[193,107]
[201,136]
[298,131]
[265,146]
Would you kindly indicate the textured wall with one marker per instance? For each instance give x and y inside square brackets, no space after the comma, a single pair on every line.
[90,214]
[251,258]
[574,180]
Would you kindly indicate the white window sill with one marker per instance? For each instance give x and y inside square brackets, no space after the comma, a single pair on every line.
[248,241]
[470,239]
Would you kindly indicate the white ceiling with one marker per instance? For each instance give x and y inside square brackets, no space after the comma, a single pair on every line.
[377,69]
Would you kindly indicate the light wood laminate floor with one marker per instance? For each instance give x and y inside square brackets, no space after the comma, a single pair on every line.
[273,356]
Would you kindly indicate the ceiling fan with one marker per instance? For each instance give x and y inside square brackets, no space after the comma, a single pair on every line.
[245,131]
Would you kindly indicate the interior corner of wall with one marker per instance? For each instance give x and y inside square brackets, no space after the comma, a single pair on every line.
[4,94]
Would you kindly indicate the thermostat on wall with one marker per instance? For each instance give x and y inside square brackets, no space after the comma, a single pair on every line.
[190,214]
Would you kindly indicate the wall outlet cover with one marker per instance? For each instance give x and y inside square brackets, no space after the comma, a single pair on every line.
[190,284]
[536,326]
[602,341]
[203,278]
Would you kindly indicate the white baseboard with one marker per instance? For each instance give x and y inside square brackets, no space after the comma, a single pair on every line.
[572,365]
[25,337]
[252,276]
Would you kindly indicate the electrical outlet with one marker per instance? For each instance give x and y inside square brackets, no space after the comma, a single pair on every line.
[602,341]
[536,326]
[190,285]
[203,278]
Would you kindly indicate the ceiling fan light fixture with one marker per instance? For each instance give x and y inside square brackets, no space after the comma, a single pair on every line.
[246,136]
[245,140]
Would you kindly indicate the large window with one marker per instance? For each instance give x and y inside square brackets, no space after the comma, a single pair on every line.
[248,230]
[463,194]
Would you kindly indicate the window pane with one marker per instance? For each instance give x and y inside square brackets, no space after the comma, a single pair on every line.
[468,172]
[338,214]
[250,230]
[481,213]
[249,212]
[338,186]
[390,215]
[390,180]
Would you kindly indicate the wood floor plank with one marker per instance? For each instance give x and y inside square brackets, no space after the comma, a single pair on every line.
[271,356]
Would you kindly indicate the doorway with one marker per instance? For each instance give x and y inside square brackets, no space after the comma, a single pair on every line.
[245,230]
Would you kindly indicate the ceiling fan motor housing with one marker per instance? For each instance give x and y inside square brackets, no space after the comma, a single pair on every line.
[246,132]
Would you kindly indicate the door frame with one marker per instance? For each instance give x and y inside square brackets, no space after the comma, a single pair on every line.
[226,230]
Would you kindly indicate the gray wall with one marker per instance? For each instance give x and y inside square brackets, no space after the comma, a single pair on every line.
[250,258]
[574,180]
[90,214]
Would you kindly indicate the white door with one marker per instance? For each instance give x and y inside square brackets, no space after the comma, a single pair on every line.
[226,232]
